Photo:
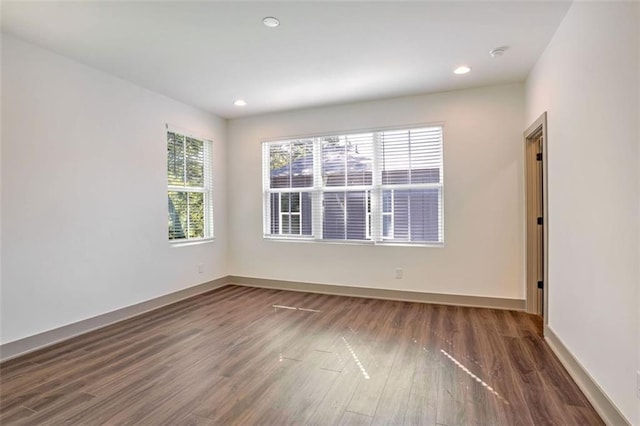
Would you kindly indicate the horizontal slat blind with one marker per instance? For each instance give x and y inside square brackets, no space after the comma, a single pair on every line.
[411,163]
[189,173]
[382,187]
[288,176]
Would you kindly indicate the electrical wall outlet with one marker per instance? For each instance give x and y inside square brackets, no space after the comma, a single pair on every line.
[398,273]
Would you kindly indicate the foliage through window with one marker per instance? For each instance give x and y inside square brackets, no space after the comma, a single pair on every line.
[189,188]
[381,187]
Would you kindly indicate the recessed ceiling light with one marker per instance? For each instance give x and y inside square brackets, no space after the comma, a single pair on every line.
[240,102]
[462,70]
[271,22]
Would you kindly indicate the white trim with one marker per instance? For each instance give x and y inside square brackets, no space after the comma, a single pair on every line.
[51,337]
[368,234]
[266,197]
[174,188]
[186,132]
[192,242]
[375,194]
[367,242]
[539,126]
[354,132]
[381,293]
[317,200]
[441,201]
[289,213]
[288,190]
[390,214]
[42,340]
[209,226]
[603,405]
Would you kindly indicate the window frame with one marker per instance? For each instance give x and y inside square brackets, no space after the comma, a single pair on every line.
[373,209]
[390,214]
[383,213]
[206,189]
[289,213]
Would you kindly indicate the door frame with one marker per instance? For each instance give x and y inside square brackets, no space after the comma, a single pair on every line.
[536,129]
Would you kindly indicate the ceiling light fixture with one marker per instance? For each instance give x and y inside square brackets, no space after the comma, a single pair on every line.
[271,22]
[462,70]
[240,102]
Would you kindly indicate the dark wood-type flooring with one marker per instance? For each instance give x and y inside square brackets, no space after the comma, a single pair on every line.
[245,356]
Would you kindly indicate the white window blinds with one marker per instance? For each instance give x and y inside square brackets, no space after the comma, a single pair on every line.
[189,191]
[380,187]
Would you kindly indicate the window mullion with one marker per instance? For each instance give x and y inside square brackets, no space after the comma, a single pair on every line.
[409,164]
[184,176]
[188,217]
[184,160]
[393,213]
[409,235]
[266,185]
[281,213]
[199,189]
[300,202]
[405,186]
[290,164]
[266,223]
[344,212]
[409,167]
[317,194]
[208,186]
[440,218]
[376,193]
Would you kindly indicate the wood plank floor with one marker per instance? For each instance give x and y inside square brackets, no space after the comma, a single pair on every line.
[241,355]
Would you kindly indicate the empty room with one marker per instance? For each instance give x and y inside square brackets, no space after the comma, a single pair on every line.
[320,212]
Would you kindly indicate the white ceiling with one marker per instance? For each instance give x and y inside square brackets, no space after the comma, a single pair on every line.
[208,54]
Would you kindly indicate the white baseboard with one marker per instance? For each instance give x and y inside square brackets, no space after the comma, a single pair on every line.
[42,340]
[594,393]
[377,293]
[598,398]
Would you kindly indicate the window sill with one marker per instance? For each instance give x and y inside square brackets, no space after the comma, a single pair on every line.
[184,243]
[352,242]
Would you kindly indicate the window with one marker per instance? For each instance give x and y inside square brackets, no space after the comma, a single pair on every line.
[290,213]
[189,188]
[381,187]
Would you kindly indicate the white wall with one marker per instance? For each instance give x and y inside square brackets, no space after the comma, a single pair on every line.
[587,80]
[638,289]
[84,205]
[483,177]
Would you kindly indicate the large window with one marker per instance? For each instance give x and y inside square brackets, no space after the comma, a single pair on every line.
[379,187]
[189,188]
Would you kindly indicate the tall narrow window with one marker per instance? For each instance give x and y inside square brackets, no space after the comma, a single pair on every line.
[382,187]
[189,191]
[411,172]
[288,170]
